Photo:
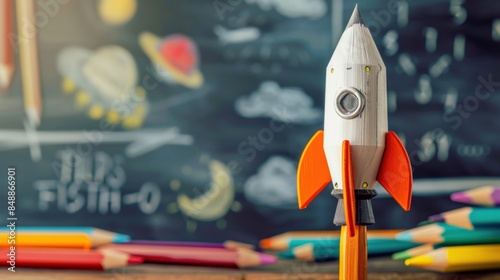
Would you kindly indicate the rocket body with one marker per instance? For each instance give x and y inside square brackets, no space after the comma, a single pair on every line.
[355,150]
[355,106]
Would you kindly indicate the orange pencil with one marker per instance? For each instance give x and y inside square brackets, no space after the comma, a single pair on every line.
[62,239]
[6,48]
[28,50]
[65,258]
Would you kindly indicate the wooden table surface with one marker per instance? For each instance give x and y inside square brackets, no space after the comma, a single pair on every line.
[379,268]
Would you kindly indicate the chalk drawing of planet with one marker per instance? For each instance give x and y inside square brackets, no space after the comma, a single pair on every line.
[117,12]
[105,84]
[176,58]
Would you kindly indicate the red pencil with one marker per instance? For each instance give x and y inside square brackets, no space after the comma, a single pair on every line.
[6,47]
[65,258]
[195,256]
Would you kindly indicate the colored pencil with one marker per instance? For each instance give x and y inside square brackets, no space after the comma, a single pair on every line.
[334,241]
[62,237]
[416,251]
[67,258]
[459,258]
[440,233]
[28,51]
[469,217]
[353,253]
[484,196]
[282,241]
[195,256]
[95,233]
[328,251]
[227,244]
[6,47]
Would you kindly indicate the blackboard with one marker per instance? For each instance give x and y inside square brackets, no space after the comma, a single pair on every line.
[217,161]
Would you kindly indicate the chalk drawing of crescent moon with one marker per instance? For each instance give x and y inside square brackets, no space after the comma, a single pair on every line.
[214,203]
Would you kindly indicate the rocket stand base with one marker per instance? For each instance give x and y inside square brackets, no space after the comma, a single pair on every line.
[364,211]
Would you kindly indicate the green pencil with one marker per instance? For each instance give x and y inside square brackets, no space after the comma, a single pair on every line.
[469,217]
[415,251]
[324,251]
[441,233]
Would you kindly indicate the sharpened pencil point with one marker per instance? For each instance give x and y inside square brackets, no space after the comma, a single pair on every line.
[461,197]
[421,261]
[121,238]
[267,259]
[401,256]
[356,18]
[265,243]
[135,260]
[436,218]
[405,236]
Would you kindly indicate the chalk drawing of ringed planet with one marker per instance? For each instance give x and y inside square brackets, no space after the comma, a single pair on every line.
[104,82]
[176,56]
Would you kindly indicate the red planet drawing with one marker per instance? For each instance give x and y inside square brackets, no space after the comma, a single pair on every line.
[177,55]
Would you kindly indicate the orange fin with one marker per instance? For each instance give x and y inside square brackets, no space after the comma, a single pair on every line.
[395,173]
[312,174]
[348,189]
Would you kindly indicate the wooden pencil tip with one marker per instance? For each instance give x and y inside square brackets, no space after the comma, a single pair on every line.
[230,244]
[6,75]
[356,18]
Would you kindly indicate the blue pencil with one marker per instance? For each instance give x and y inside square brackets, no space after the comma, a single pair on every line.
[319,251]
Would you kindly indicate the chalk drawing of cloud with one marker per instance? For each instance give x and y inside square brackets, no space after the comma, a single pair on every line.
[313,9]
[270,99]
[274,184]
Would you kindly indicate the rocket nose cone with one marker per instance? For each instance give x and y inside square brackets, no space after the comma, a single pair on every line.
[355,18]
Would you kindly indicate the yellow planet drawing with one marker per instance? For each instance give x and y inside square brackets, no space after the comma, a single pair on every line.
[105,84]
[117,12]
[177,55]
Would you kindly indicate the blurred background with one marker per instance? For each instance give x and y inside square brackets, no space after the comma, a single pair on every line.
[184,120]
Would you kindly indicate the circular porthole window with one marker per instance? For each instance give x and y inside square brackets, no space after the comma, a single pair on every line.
[349,103]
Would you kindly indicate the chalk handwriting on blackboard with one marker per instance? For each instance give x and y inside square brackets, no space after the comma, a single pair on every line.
[93,183]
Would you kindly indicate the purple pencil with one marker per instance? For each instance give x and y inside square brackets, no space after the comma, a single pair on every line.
[227,244]
[485,196]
